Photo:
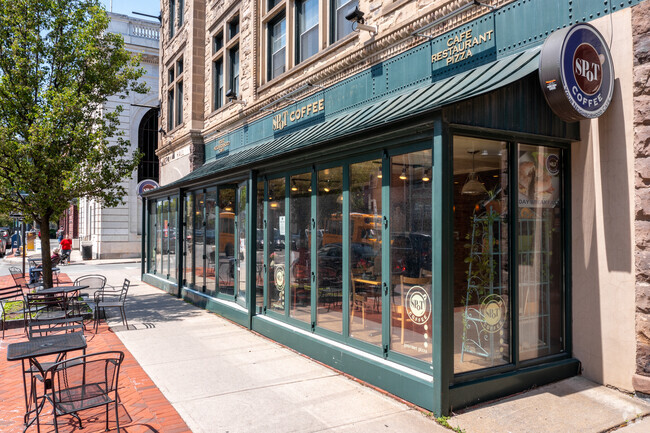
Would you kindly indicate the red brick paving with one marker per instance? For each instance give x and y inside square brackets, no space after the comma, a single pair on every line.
[143,408]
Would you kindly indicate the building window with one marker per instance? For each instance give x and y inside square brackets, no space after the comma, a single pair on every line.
[233,27]
[277,47]
[218,83]
[234,70]
[172,17]
[307,32]
[148,143]
[181,12]
[272,3]
[340,26]
[170,109]
[175,95]
[179,103]
[217,42]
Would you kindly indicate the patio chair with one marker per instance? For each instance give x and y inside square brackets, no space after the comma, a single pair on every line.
[82,383]
[41,328]
[20,280]
[94,282]
[40,306]
[7,295]
[111,298]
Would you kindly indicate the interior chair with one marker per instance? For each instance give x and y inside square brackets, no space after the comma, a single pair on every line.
[82,383]
[358,301]
[111,298]
[398,311]
[9,295]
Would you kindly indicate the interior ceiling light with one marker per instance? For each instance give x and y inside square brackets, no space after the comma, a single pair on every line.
[294,187]
[379,175]
[228,207]
[425,176]
[403,175]
[472,185]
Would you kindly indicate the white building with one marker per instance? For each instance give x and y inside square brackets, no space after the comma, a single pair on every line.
[116,232]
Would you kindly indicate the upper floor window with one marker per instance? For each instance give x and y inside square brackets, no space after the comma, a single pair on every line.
[175,95]
[234,70]
[342,27]
[217,42]
[272,3]
[217,83]
[277,47]
[307,29]
[172,17]
[233,27]
[181,10]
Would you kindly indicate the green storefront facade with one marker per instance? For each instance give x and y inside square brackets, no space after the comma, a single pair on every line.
[375,225]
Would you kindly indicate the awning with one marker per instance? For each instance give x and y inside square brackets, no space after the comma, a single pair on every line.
[474,82]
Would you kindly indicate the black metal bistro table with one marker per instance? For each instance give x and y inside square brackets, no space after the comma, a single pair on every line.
[41,346]
[63,289]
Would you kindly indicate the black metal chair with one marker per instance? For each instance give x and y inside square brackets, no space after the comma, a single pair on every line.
[82,383]
[111,298]
[94,282]
[20,280]
[10,295]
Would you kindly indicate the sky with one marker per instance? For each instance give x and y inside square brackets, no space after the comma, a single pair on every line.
[126,7]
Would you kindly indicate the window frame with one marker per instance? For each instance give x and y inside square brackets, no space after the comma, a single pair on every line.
[175,91]
[299,17]
[279,17]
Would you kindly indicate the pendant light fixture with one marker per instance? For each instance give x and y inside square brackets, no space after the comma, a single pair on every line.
[294,187]
[403,175]
[426,177]
[379,175]
[472,185]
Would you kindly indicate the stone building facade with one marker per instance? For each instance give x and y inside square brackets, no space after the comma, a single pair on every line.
[230,69]
[116,232]
[641,29]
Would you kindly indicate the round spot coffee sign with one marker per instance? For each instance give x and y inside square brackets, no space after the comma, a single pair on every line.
[576,73]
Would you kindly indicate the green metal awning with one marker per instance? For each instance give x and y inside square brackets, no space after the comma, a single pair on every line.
[474,82]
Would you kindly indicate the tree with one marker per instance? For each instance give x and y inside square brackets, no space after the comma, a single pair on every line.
[58,66]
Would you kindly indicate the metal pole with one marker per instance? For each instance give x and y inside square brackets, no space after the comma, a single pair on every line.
[22,241]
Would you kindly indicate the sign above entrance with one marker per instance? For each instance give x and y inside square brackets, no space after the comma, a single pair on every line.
[146,185]
[576,73]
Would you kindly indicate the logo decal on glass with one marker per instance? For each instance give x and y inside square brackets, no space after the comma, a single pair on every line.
[493,311]
[418,305]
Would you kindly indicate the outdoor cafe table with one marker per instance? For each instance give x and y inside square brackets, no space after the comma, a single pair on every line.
[42,346]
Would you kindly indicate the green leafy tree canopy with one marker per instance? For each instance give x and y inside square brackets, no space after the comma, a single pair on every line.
[58,67]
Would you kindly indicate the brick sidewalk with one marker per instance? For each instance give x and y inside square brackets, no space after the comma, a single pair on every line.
[142,408]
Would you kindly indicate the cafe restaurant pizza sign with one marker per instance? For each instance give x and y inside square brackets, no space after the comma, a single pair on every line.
[576,73]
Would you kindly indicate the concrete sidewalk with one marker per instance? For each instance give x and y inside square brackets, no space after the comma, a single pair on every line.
[221,377]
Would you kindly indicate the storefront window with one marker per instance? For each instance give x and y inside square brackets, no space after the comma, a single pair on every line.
[259,247]
[481,268]
[188,236]
[540,252]
[300,235]
[276,245]
[410,246]
[152,237]
[226,259]
[329,273]
[164,269]
[210,251]
[159,247]
[199,240]
[173,216]
[242,263]
[365,251]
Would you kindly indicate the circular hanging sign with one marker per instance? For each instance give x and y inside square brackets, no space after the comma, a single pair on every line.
[146,185]
[576,73]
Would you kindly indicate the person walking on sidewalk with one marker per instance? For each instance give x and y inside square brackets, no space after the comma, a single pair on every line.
[59,234]
[66,248]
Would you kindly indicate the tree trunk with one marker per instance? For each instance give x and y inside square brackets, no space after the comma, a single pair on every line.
[44,223]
